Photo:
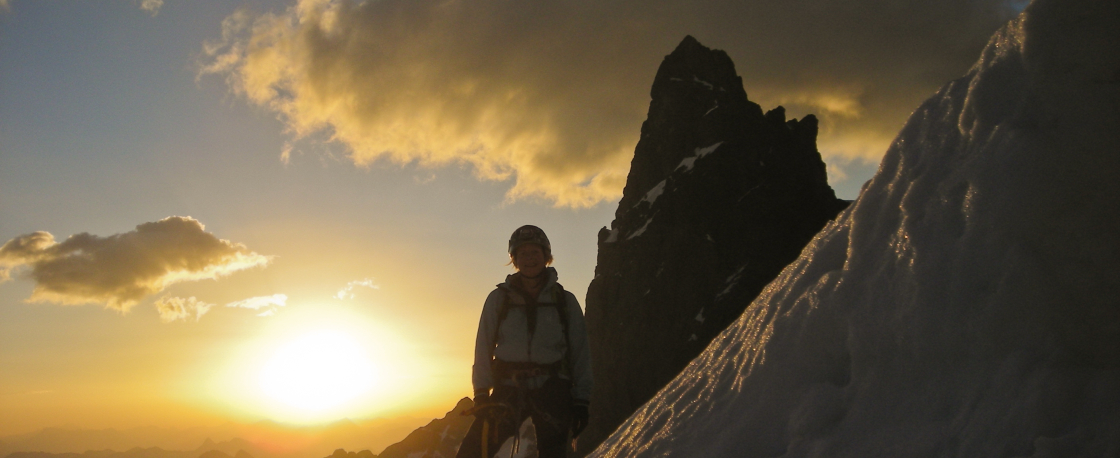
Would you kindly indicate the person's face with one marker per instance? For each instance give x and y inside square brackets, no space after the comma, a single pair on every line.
[529,259]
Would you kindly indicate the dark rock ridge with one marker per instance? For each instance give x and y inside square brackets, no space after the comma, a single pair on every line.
[439,438]
[342,453]
[720,197]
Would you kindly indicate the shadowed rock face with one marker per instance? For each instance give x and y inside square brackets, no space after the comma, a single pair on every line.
[439,438]
[719,199]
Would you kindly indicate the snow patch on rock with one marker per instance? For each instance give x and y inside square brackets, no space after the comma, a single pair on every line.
[697,79]
[688,162]
[640,230]
[654,193]
[612,237]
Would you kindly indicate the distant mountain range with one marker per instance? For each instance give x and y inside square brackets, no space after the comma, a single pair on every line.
[438,438]
[209,449]
[264,439]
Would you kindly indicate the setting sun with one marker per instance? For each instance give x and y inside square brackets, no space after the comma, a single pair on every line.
[318,371]
[321,363]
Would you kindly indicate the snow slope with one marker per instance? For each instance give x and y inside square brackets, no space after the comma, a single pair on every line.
[968,304]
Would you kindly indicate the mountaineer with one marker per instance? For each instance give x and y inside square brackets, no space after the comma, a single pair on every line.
[531,357]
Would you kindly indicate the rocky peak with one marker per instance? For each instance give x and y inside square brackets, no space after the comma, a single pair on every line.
[439,438]
[696,97]
[720,197]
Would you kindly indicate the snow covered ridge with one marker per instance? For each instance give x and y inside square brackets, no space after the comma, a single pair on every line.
[966,304]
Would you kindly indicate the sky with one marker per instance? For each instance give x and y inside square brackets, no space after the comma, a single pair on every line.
[203,202]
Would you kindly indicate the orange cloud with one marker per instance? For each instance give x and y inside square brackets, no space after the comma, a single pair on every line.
[180,308]
[551,95]
[121,269]
[151,6]
[347,292]
[259,302]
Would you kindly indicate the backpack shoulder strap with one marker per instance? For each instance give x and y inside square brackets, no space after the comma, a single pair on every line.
[562,310]
[503,311]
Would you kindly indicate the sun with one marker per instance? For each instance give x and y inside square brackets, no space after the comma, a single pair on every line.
[319,364]
[317,372]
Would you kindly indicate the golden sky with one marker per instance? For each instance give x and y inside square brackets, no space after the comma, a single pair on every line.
[203,202]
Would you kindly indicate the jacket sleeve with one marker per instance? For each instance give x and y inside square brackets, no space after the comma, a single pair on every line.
[580,352]
[481,376]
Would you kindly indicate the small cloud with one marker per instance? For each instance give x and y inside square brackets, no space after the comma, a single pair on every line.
[347,292]
[151,6]
[278,300]
[259,302]
[180,308]
[121,269]
[836,173]
[843,102]
[286,153]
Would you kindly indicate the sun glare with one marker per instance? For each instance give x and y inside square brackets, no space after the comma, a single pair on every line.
[317,371]
[317,364]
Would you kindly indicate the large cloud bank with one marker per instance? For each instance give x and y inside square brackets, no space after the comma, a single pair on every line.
[551,95]
[121,269]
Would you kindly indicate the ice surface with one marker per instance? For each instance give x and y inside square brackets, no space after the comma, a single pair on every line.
[965,305]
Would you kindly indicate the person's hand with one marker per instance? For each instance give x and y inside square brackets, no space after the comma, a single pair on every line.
[579,416]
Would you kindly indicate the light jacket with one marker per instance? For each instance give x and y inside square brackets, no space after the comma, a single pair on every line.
[548,343]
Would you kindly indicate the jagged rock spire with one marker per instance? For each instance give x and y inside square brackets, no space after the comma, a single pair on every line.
[720,197]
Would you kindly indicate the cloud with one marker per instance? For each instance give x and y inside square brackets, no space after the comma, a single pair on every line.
[179,308]
[259,302]
[347,292]
[151,6]
[551,95]
[121,269]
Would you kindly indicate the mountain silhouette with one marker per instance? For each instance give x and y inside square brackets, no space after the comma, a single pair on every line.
[720,197]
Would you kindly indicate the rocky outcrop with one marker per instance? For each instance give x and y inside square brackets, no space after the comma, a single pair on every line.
[719,199]
[342,453]
[439,438]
